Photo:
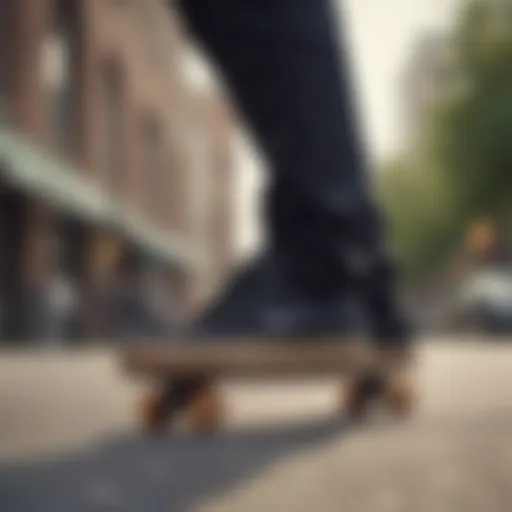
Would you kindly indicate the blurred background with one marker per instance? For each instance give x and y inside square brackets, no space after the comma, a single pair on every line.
[129,186]
[118,172]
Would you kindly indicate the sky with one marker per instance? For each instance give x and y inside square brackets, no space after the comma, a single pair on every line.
[382,34]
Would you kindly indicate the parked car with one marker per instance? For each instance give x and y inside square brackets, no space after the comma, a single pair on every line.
[484,303]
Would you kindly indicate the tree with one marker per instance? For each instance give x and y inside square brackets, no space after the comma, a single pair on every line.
[418,205]
[471,132]
[463,165]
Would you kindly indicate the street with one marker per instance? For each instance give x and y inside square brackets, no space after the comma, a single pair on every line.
[69,442]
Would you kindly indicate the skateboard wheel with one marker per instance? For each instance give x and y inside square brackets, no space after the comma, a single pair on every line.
[360,393]
[395,394]
[205,410]
[399,396]
[154,413]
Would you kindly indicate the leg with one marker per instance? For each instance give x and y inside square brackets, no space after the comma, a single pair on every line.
[287,73]
[282,63]
[289,77]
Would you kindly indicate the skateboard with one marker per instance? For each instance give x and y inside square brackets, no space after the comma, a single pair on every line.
[165,364]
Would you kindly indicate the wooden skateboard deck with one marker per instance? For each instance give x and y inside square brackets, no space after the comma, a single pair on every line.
[246,359]
[165,363]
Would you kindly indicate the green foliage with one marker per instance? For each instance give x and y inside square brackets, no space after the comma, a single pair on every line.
[418,207]
[465,170]
[473,130]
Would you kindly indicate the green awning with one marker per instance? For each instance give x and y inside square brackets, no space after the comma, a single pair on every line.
[28,168]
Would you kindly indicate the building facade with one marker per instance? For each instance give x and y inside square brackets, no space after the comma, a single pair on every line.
[427,79]
[96,156]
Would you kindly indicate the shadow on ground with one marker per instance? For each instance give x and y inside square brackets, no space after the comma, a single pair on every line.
[135,474]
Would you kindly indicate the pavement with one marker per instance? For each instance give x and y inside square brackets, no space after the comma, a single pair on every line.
[70,442]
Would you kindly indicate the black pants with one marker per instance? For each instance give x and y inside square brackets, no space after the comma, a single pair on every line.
[288,74]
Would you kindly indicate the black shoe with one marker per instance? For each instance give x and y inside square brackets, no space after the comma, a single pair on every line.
[261,302]
[387,324]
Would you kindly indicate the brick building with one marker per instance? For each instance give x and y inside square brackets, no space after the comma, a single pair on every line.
[96,152]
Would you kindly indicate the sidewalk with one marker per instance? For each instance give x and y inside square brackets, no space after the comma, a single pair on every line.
[71,419]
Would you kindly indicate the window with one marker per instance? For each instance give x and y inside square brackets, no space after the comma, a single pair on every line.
[61,75]
[112,99]
[153,169]
[6,59]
